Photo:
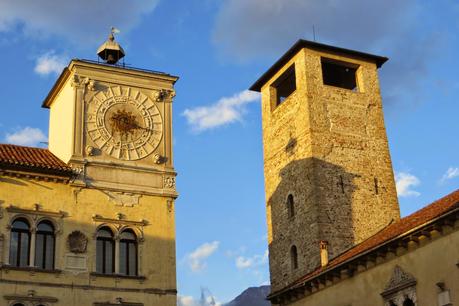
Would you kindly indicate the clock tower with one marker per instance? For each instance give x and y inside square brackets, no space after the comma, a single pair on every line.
[113,124]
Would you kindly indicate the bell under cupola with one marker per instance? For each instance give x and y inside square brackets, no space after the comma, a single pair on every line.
[111,51]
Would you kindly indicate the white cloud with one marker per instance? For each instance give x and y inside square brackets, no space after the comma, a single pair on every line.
[404,183]
[224,111]
[196,258]
[450,174]
[266,29]
[186,300]
[77,21]
[50,63]
[207,299]
[250,262]
[27,136]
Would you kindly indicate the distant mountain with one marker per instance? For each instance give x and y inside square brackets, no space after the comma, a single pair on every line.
[254,296]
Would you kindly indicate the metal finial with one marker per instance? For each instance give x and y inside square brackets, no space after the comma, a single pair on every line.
[110,51]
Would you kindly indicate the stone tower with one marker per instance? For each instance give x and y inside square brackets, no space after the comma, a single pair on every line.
[328,175]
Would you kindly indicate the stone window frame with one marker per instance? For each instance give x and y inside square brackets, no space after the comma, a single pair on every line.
[31,299]
[401,286]
[34,220]
[117,230]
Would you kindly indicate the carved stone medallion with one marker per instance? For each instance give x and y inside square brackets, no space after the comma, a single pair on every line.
[124,123]
[77,242]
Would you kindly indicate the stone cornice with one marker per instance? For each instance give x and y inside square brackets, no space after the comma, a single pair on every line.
[157,291]
[46,176]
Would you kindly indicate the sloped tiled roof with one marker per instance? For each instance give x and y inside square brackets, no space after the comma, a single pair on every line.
[31,159]
[392,231]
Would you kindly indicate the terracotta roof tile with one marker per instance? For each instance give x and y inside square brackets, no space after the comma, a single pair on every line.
[394,230]
[32,159]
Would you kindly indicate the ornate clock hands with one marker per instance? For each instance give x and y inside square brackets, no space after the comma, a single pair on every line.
[124,122]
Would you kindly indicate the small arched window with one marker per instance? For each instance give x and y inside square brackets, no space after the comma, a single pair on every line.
[20,243]
[294,257]
[44,246]
[18,304]
[290,206]
[128,253]
[105,251]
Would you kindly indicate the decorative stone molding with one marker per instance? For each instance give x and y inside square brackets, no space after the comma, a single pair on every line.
[77,242]
[82,82]
[90,150]
[77,81]
[400,279]
[400,287]
[123,198]
[118,301]
[98,218]
[163,94]
[30,297]
[169,182]
[158,159]
[91,85]
[36,211]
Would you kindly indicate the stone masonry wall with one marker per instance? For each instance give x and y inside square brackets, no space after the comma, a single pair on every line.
[327,147]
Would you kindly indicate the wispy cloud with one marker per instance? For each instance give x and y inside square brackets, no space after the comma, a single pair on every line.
[196,259]
[450,174]
[77,21]
[405,182]
[187,300]
[251,262]
[50,63]
[225,111]
[27,136]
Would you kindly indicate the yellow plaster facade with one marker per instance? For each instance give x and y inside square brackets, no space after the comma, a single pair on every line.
[123,179]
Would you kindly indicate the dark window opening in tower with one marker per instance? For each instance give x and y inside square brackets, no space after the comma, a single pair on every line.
[294,257]
[285,85]
[376,185]
[339,74]
[290,206]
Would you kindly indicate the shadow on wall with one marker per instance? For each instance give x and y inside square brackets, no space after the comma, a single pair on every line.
[322,195]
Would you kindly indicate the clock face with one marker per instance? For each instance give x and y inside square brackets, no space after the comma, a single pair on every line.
[124,123]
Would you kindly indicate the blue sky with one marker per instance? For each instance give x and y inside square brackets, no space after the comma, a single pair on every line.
[219,48]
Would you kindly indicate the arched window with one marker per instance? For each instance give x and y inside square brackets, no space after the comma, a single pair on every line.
[294,257]
[290,206]
[105,251]
[18,304]
[44,246]
[20,243]
[128,253]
